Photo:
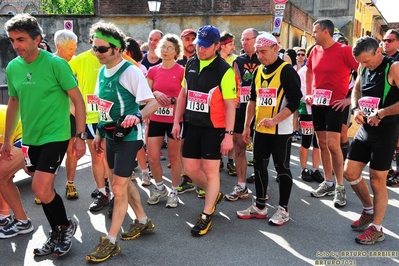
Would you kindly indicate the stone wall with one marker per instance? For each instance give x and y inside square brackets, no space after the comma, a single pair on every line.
[296,23]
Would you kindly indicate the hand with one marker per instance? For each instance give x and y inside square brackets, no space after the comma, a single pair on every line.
[309,99]
[226,145]
[97,144]
[79,148]
[162,99]
[267,122]
[373,121]
[176,131]
[246,135]
[130,120]
[359,116]
[5,152]
[339,105]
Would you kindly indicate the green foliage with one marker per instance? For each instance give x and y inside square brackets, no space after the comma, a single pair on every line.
[67,7]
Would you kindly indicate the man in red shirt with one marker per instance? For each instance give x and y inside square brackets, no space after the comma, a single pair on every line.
[329,65]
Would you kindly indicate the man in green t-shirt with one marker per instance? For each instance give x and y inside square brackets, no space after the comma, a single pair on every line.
[40,86]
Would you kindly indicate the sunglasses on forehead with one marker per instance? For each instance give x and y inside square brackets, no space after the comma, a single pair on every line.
[101,49]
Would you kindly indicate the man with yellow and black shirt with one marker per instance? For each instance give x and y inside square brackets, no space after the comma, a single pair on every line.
[275,96]
[208,100]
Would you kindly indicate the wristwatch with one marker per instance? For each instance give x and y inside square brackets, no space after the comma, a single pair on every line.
[230,132]
[81,135]
[139,116]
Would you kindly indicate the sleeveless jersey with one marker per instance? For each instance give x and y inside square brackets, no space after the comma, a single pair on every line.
[270,99]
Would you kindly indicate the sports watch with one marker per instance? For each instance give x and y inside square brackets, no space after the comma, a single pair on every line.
[139,116]
[81,135]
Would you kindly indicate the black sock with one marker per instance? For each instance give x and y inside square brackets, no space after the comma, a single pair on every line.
[55,212]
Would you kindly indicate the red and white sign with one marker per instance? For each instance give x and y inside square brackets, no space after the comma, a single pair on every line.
[280,1]
[322,97]
[307,127]
[267,97]
[369,105]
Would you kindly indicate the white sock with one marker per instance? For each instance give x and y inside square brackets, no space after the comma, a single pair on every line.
[378,227]
[111,239]
[242,184]
[143,220]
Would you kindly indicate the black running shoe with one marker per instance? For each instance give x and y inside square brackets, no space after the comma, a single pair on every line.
[99,203]
[65,235]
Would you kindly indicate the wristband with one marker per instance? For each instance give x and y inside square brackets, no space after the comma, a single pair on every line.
[230,132]
[378,117]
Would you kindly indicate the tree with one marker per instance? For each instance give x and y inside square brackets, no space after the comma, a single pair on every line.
[67,7]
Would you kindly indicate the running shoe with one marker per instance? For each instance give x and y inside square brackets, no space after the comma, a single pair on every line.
[157,194]
[306,175]
[370,236]
[280,217]
[185,186]
[173,200]
[48,246]
[203,225]
[251,178]
[317,176]
[238,193]
[393,179]
[323,190]
[95,192]
[38,201]
[136,229]
[6,221]
[145,178]
[218,200]
[253,212]
[200,193]
[65,237]
[99,203]
[249,146]
[16,228]
[104,250]
[363,222]
[340,197]
[70,191]
[231,169]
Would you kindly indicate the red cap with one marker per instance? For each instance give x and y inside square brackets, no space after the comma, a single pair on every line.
[187,32]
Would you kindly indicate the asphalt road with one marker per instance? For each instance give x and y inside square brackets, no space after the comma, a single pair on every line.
[317,233]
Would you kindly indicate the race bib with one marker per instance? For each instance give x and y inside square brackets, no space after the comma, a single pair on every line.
[25,152]
[165,111]
[245,94]
[267,97]
[198,102]
[92,101]
[322,97]
[307,127]
[369,105]
[104,107]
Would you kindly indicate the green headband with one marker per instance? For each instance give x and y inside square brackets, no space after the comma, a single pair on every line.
[109,39]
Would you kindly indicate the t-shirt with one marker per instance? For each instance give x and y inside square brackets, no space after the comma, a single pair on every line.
[85,67]
[18,129]
[43,102]
[331,68]
[124,95]
[167,81]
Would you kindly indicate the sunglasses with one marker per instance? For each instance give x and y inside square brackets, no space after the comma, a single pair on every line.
[300,54]
[167,48]
[388,40]
[101,49]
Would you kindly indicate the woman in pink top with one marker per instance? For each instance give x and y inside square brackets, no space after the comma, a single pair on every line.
[165,81]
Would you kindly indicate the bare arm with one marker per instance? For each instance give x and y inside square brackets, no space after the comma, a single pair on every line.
[230,109]
[79,146]
[250,113]
[180,107]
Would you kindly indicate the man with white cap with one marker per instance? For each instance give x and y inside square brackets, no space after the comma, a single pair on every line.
[275,96]
[208,103]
